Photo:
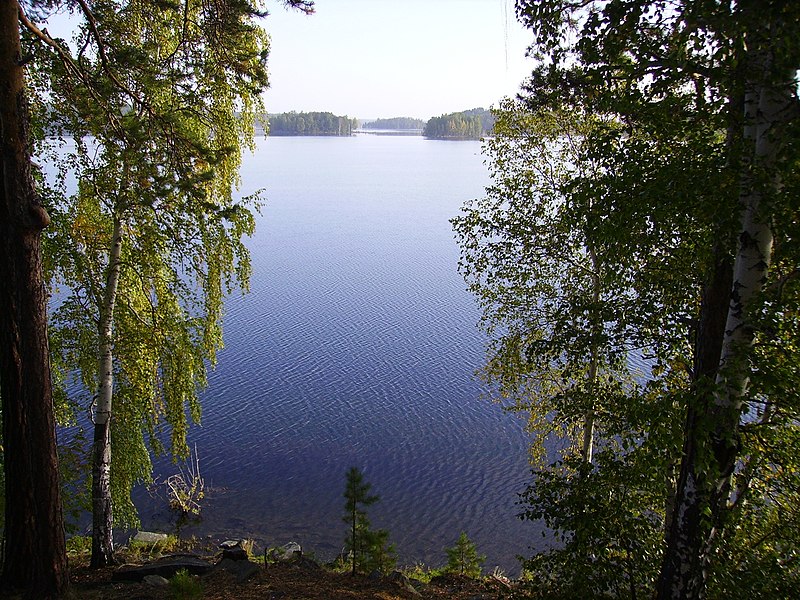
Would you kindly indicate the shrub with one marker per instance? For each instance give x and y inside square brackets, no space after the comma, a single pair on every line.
[185,587]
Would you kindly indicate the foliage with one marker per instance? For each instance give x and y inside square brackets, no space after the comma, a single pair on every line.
[368,549]
[463,557]
[468,124]
[184,586]
[398,123]
[169,107]
[422,572]
[150,550]
[185,489]
[311,123]
[610,237]
[79,545]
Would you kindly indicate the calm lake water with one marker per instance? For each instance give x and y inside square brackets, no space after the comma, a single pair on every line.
[357,346]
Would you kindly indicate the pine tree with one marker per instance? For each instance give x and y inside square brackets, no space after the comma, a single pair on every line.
[367,548]
[463,558]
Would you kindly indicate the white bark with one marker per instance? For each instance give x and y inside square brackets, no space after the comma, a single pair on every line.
[102,516]
[106,354]
[766,111]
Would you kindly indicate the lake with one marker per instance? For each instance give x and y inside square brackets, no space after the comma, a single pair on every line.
[357,346]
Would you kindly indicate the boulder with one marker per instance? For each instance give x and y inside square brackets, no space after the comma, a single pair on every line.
[149,537]
[304,563]
[241,569]
[233,550]
[404,582]
[155,581]
[165,567]
[286,552]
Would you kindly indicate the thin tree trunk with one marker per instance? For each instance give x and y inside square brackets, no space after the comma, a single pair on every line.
[35,554]
[587,447]
[684,512]
[712,441]
[102,510]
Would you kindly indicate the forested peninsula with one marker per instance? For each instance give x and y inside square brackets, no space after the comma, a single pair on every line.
[311,123]
[470,124]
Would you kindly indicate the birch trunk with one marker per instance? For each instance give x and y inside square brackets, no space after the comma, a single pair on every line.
[102,511]
[711,446]
[35,559]
[587,448]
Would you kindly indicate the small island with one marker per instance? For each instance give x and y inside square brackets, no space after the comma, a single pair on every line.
[394,124]
[310,123]
[470,124]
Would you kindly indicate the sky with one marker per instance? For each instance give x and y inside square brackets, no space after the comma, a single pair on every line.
[395,58]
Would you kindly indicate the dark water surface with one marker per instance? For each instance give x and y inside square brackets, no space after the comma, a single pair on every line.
[356,347]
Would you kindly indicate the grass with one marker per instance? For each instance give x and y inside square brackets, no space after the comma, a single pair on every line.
[185,587]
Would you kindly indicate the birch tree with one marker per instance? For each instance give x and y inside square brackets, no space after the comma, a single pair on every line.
[528,255]
[153,239]
[690,71]
[556,278]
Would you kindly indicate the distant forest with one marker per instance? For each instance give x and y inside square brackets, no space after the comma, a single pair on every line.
[468,124]
[311,123]
[399,123]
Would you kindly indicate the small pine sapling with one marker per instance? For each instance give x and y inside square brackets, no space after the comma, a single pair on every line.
[463,558]
[357,498]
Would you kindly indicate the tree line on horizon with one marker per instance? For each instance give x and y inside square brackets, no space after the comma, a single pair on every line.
[472,124]
[311,123]
[396,123]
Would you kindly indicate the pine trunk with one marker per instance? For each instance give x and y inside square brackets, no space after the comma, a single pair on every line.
[102,509]
[35,555]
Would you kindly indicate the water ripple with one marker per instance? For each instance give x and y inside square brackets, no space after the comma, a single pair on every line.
[356,346]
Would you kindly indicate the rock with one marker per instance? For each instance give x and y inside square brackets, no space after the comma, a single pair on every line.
[376,575]
[241,569]
[155,580]
[397,577]
[403,582]
[149,537]
[235,554]
[304,563]
[233,550]
[286,552]
[165,567]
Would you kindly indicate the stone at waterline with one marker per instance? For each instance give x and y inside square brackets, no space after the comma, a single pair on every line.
[286,552]
[241,569]
[165,567]
[233,550]
[149,537]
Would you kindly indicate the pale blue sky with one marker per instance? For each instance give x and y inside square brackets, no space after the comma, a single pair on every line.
[389,58]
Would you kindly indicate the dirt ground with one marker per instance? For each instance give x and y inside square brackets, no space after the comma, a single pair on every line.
[289,582]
